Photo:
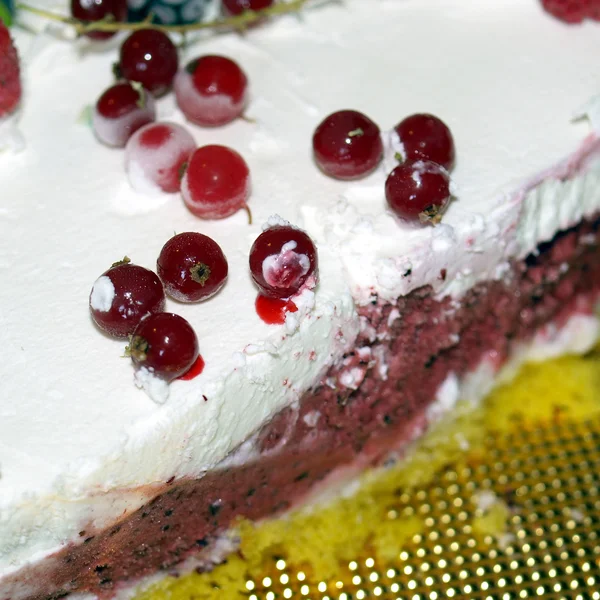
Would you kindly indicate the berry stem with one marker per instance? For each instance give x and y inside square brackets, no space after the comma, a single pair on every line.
[238,22]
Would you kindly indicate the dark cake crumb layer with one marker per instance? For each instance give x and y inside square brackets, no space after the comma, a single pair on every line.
[398,364]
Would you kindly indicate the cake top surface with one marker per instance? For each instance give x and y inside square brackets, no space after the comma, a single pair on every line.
[505,77]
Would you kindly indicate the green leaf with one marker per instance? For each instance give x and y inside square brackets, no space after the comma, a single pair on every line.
[5,14]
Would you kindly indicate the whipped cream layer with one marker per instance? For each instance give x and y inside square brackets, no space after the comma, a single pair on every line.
[80,445]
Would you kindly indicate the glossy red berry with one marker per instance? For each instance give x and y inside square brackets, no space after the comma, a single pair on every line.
[237,7]
[122,296]
[418,191]
[192,267]
[96,10]
[165,344]
[156,156]
[216,182]
[211,90]
[425,137]
[282,259]
[570,11]
[120,111]
[347,145]
[149,57]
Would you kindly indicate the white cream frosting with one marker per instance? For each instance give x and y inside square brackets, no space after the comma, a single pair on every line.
[77,437]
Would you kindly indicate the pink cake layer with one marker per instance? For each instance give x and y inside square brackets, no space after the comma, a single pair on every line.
[333,429]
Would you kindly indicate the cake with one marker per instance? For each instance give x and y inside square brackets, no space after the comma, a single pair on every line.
[105,484]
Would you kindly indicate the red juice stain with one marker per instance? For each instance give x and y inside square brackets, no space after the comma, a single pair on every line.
[272,310]
[194,370]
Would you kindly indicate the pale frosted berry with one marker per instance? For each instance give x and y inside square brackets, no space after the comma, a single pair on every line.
[165,344]
[418,191]
[347,145]
[192,267]
[98,10]
[425,137]
[237,7]
[282,259]
[149,57]
[211,90]
[123,295]
[216,182]
[120,111]
[156,156]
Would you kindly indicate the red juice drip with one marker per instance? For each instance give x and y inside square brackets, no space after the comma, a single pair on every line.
[272,310]
[194,370]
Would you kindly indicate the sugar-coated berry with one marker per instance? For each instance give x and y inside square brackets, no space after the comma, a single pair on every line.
[418,191]
[237,7]
[149,57]
[425,137]
[156,156]
[97,10]
[120,111]
[282,259]
[123,295]
[165,344]
[347,145]
[192,267]
[211,90]
[216,182]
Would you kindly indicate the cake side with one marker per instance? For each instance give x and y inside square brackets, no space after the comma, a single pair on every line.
[101,461]
[410,368]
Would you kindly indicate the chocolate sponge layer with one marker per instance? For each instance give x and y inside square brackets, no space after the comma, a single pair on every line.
[402,357]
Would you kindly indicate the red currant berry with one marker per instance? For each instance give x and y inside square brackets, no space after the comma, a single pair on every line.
[149,57]
[216,182]
[425,137]
[96,10]
[211,90]
[165,344]
[123,295]
[237,7]
[418,191]
[192,267]
[347,145]
[156,155]
[282,259]
[120,111]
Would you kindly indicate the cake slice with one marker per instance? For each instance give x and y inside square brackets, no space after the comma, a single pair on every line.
[102,486]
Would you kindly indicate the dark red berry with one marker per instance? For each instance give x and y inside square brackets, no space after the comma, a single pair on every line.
[156,155]
[149,57]
[347,145]
[216,182]
[425,137]
[165,344]
[120,111]
[211,90]
[282,259]
[237,7]
[96,10]
[418,191]
[123,295]
[192,267]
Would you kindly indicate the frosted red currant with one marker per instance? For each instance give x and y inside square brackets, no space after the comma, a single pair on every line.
[165,344]
[123,295]
[97,10]
[418,191]
[216,182]
[282,259]
[212,90]
[149,57]
[120,111]
[156,155]
[425,137]
[192,267]
[237,7]
[347,145]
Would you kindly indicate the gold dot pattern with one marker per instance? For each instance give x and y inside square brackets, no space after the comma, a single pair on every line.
[523,521]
